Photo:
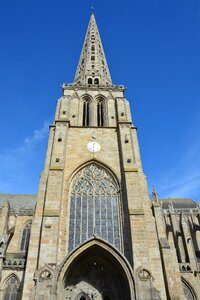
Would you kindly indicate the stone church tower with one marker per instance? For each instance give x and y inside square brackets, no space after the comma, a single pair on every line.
[94,234]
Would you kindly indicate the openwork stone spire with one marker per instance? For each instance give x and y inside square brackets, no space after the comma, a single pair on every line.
[92,68]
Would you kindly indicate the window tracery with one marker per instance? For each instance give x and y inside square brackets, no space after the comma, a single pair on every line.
[12,289]
[94,207]
[26,237]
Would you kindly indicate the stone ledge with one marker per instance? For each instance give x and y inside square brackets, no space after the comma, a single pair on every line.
[51,213]
[130,170]
[61,120]
[124,122]
[57,168]
[136,211]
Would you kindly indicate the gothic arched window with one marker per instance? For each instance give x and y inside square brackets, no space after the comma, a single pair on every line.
[11,290]
[86,111]
[94,207]
[100,112]
[25,237]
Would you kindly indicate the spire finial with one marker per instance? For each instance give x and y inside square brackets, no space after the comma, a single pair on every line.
[92,9]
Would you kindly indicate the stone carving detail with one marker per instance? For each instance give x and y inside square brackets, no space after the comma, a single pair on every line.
[15,263]
[22,211]
[144,275]
[85,86]
[3,243]
[45,287]
[145,286]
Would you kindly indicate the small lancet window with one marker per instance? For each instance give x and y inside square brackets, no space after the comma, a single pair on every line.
[96,81]
[26,237]
[89,80]
[11,291]
[92,57]
[100,113]
[93,48]
[86,112]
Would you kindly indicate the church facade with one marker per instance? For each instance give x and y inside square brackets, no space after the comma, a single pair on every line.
[92,232]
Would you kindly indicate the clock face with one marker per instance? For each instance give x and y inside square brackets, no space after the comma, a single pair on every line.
[93,147]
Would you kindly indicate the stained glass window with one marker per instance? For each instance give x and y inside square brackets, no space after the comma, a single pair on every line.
[11,289]
[25,237]
[94,207]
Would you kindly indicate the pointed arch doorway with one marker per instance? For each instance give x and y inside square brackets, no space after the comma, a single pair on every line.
[95,274]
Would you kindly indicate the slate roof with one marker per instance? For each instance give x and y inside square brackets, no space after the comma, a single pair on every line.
[19,202]
[178,203]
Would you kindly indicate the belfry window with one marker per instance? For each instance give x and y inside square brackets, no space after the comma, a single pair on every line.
[100,113]
[86,112]
[96,81]
[89,80]
[11,289]
[94,207]
[25,237]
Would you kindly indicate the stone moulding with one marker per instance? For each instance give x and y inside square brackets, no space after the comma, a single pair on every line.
[57,168]
[136,211]
[16,261]
[51,213]
[130,170]
[72,86]
[22,211]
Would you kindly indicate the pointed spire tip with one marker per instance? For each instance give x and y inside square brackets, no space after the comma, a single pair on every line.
[92,67]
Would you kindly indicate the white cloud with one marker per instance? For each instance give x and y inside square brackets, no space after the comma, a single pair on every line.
[20,164]
[37,136]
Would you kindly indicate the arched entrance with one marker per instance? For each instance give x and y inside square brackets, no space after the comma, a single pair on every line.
[96,274]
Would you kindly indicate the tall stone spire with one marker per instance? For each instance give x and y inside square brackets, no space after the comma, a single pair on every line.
[92,68]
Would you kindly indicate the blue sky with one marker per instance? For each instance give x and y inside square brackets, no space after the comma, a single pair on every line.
[152,47]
